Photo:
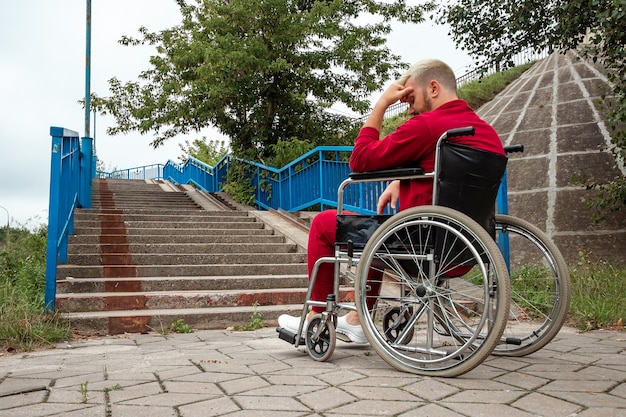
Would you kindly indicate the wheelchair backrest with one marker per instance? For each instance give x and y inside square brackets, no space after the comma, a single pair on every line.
[467,179]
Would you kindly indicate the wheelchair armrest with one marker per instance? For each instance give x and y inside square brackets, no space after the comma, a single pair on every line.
[392,174]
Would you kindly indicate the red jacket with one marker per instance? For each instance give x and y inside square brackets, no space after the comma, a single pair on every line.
[413,144]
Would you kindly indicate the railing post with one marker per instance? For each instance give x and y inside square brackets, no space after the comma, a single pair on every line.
[94,163]
[63,199]
[502,207]
[258,184]
[53,223]
[86,157]
[321,184]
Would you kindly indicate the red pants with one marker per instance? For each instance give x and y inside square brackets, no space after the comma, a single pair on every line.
[322,244]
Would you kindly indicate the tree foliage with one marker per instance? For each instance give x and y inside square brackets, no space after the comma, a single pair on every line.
[497,30]
[260,71]
[494,31]
[207,151]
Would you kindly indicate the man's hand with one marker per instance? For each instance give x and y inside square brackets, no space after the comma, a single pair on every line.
[389,196]
[395,92]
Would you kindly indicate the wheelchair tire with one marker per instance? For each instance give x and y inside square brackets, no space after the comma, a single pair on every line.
[445,269]
[540,288]
[320,345]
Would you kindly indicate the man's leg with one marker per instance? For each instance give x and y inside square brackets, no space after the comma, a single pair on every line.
[322,244]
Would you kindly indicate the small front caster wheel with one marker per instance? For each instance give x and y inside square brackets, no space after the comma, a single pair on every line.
[394,323]
[320,338]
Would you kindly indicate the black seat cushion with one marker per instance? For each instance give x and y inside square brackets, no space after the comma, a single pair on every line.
[357,228]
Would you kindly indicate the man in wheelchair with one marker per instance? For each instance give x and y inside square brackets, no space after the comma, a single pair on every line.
[429,87]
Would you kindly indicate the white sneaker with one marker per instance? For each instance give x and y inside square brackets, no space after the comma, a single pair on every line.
[354,333]
[291,323]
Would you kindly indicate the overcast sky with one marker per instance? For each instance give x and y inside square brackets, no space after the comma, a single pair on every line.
[42,77]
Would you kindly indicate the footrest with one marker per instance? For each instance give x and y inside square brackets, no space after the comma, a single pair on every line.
[289,336]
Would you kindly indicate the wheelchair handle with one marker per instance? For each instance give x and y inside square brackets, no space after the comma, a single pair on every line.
[514,148]
[460,131]
[387,174]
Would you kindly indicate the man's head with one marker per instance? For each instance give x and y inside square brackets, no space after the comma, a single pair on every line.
[433,84]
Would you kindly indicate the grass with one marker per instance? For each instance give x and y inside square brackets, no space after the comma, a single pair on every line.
[255,323]
[533,287]
[23,324]
[598,295]
[479,92]
[179,326]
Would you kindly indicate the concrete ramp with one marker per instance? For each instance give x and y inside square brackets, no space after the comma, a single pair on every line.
[554,110]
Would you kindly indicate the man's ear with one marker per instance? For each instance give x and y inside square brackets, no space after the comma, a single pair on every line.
[434,88]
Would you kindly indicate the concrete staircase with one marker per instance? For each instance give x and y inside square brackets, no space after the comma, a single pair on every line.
[148,253]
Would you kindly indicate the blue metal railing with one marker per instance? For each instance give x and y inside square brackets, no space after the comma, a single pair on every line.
[146,172]
[70,187]
[193,171]
[309,181]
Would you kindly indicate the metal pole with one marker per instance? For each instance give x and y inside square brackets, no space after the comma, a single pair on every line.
[86,153]
[88,72]
[8,226]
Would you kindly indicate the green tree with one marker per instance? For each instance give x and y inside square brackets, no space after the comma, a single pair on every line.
[209,152]
[261,71]
[494,31]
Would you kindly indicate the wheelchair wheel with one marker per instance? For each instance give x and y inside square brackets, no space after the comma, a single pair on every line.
[444,270]
[540,287]
[320,338]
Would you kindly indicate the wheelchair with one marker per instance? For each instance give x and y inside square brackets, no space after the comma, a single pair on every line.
[431,287]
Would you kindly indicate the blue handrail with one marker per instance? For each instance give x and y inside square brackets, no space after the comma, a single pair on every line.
[70,187]
[309,181]
[193,171]
[146,172]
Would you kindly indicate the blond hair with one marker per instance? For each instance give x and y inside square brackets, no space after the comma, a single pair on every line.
[427,70]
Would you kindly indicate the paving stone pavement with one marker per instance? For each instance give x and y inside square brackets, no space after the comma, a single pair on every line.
[240,374]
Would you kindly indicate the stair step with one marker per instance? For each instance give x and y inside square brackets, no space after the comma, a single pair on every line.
[172,259]
[252,228]
[158,300]
[144,321]
[182,248]
[241,223]
[159,215]
[263,236]
[181,283]
[97,271]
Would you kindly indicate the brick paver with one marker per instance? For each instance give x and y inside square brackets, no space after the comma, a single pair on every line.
[239,374]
